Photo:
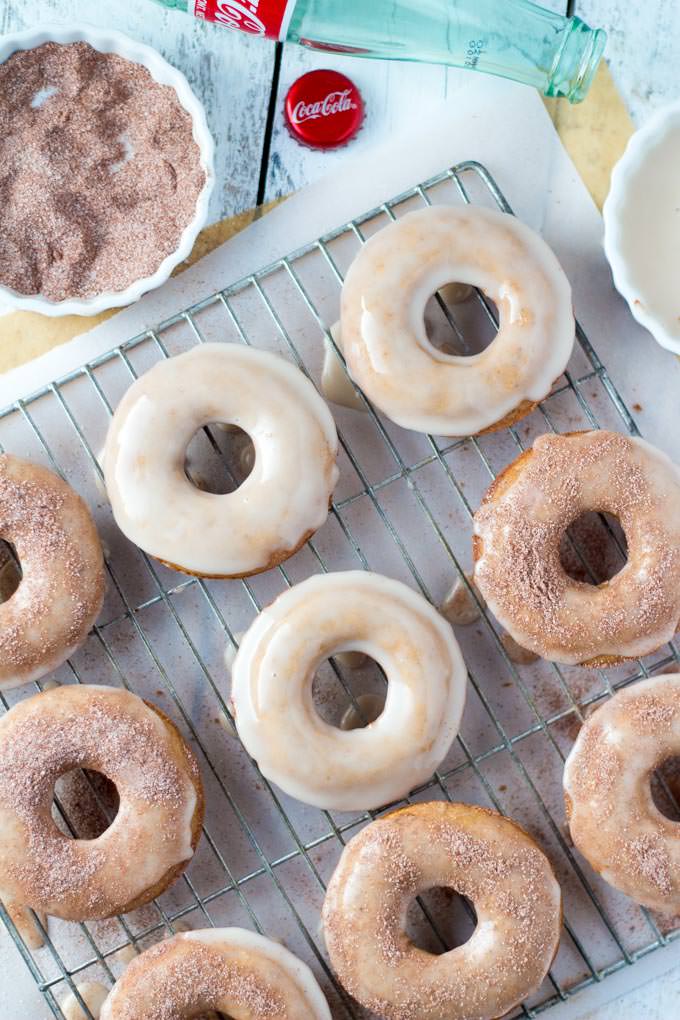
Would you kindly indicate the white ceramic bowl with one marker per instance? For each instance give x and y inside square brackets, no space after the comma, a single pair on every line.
[642,226]
[115,42]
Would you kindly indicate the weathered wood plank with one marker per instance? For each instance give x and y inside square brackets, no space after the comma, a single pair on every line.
[643,49]
[231,72]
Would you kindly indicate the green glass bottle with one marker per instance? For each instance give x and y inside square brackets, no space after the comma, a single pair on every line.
[511,38]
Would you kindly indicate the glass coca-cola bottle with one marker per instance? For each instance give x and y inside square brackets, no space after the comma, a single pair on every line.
[512,38]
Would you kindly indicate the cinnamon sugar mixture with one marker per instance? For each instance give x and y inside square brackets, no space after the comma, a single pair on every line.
[99,172]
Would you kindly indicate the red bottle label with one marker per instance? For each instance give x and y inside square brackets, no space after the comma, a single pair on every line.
[259,17]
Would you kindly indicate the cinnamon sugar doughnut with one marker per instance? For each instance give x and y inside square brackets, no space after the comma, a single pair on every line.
[612,816]
[481,855]
[517,533]
[272,690]
[280,504]
[157,827]
[61,589]
[233,971]
[383,320]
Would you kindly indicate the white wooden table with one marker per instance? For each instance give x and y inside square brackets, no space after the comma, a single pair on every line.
[242,82]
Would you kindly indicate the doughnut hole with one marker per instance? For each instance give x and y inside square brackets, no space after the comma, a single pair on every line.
[349,691]
[665,784]
[593,549]
[85,803]
[459,321]
[440,919]
[219,458]
[10,571]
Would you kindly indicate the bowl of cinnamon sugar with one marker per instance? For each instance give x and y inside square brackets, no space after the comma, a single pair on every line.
[106,170]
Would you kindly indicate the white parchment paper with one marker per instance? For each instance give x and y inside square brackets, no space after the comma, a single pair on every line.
[506,128]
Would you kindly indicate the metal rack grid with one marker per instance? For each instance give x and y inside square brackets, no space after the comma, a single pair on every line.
[267,866]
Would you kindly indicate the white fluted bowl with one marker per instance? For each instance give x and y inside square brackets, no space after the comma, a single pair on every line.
[161,71]
[642,226]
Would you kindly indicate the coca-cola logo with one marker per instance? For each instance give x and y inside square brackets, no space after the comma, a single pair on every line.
[259,17]
[334,102]
[236,15]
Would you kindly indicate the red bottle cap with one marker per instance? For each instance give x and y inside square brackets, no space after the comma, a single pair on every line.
[324,109]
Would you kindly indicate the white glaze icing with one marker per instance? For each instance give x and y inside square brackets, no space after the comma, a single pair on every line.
[282,502]
[613,819]
[259,978]
[114,732]
[272,690]
[383,330]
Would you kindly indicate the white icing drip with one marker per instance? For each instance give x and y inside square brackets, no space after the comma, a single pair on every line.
[458,606]
[351,660]
[382,319]
[285,497]
[336,384]
[231,650]
[275,713]
[516,653]
[367,710]
[25,923]
[93,994]
[455,293]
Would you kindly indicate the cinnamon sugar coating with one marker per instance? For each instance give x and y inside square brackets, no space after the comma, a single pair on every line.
[161,802]
[61,591]
[480,855]
[613,819]
[99,171]
[517,533]
[231,970]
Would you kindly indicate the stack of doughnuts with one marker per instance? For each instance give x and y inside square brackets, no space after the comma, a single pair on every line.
[489,859]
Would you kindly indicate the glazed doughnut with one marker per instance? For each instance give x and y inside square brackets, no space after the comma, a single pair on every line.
[612,817]
[272,690]
[276,509]
[383,320]
[151,839]
[233,971]
[62,585]
[479,854]
[517,533]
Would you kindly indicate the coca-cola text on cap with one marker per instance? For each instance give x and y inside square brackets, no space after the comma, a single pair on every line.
[324,109]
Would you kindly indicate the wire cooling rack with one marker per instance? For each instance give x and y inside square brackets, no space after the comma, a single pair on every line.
[403,506]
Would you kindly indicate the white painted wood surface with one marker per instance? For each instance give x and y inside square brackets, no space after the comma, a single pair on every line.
[232,74]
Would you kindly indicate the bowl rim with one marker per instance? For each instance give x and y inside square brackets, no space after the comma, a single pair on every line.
[113,41]
[634,156]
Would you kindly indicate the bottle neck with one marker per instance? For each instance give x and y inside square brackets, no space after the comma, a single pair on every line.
[576,61]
